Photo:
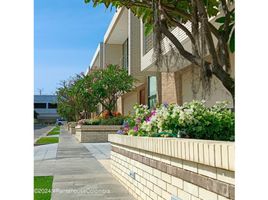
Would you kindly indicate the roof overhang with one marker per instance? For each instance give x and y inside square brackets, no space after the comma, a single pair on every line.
[117,31]
[96,54]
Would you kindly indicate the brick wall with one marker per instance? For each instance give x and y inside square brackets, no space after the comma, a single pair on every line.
[169,87]
[161,175]
[94,133]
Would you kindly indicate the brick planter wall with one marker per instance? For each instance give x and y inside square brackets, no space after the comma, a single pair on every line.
[159,168]
[94,133]
[71,127]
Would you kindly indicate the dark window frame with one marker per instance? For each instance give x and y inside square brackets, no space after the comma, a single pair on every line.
[51,106]
[44,105]
[125,55]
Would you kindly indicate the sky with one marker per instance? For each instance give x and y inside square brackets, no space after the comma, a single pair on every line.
[66,35]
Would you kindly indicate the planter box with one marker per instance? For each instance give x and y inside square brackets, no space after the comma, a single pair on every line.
[166,167]
[94,133]
[71,127]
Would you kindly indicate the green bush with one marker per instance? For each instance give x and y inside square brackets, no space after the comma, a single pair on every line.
[112,121]
[214,123]
[92,122]
[191,120]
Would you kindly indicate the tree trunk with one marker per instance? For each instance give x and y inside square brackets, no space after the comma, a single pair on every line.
[217,70]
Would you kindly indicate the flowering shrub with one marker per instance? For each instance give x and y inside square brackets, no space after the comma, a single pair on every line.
[105,114]
[192,120]
[119,120]
[81,122]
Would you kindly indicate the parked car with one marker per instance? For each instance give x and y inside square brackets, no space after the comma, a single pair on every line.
[60,121]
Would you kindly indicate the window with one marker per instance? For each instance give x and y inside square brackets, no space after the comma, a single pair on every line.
[52,105]
[125,55]
[40,105]
[152,91]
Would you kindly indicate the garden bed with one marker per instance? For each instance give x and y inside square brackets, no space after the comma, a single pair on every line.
[166,167]
[94,133]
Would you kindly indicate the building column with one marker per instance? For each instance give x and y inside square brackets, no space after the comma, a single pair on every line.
[170,87]
[134,46]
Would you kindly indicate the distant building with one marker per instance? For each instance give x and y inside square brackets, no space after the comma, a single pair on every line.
[46,107]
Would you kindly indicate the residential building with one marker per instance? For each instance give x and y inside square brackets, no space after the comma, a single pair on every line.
[126,45]
[46,107]
[180,80]
[121,46]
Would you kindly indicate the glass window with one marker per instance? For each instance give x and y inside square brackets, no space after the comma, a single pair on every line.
[152,91]
[52,105]
[125,55]
[40,105]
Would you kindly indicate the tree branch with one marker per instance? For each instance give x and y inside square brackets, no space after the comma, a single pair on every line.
[182,27]
[178,45]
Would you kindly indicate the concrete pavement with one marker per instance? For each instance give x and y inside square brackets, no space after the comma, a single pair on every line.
[77,173]
[45,152]
[102,152]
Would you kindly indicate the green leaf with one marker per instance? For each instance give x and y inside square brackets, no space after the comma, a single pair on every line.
[148,29]
[220,20]
[232,42]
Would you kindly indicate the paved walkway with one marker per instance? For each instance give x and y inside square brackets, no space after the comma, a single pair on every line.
[102,152]
[78,174]
[45,152]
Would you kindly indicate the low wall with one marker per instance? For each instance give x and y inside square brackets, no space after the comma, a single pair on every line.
[71,127]
[72,130]
[94,133]
[173,168]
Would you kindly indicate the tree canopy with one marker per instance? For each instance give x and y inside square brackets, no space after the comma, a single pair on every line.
[74,98]
[80,95]
[109,84]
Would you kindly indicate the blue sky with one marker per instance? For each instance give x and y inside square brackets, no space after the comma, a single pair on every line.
[66,35]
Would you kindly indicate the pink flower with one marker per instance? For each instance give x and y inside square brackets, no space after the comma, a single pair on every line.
[138,120]
[153,112]
[135,128]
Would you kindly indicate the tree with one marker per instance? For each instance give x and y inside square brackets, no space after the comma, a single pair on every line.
[85,100]
[74,98]
[35,114]
[161,15]
[109,84]
[66,103]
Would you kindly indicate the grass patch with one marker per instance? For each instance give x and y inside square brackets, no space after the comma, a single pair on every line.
[42,187]
[47,140]
[55,131]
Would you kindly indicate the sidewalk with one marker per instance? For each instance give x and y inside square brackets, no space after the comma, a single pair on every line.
[77,173]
